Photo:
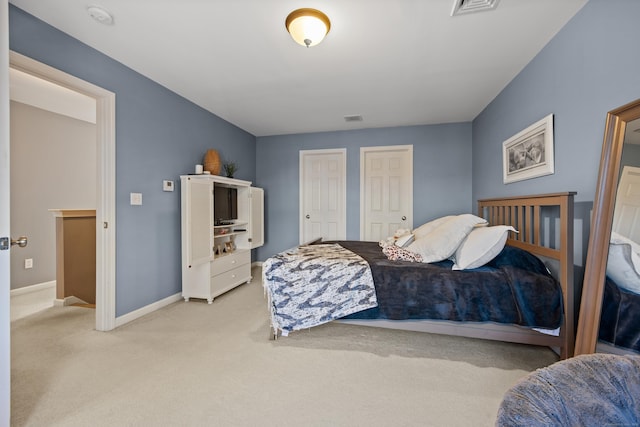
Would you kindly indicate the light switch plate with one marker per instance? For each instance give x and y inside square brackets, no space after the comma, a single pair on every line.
[167,185]
[136,198]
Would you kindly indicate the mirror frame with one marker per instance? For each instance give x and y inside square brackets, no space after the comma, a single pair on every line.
[601,223]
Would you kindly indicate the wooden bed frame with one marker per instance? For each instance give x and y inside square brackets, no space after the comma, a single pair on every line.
[524,214]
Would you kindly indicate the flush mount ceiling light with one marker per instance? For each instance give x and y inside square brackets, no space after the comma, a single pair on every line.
[100,15]
[307,26]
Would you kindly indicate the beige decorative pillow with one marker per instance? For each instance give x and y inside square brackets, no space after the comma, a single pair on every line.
[443,240]
[481,246]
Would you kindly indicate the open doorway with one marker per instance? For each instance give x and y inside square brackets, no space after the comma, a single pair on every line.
[53,157]
[104,179]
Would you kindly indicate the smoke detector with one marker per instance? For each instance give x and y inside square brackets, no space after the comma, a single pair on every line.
[100,15]
[461,7]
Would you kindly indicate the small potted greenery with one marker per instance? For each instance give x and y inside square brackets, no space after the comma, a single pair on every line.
[230,168]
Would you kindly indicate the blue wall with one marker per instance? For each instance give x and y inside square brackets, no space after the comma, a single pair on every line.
[159,135]
[441,165]
[591,67]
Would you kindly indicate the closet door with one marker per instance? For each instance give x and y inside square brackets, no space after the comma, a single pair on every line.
[323,194]
[386,191]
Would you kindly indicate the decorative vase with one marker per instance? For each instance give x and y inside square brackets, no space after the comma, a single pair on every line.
[212,162]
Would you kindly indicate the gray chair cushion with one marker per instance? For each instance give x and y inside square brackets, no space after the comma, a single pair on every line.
[587,390]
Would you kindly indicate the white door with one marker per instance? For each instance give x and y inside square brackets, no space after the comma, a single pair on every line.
[626,215]
[5,275]
[386,191]
[323,195]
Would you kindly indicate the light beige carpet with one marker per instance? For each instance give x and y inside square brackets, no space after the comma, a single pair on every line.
[194,364]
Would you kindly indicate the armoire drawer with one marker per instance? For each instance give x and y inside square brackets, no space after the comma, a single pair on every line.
[230,279]
[228,262]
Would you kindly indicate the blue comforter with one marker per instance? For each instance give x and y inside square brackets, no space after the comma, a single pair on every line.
[620,319]
[514,288]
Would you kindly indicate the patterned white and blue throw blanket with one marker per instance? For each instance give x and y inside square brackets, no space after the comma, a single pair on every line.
[315,284]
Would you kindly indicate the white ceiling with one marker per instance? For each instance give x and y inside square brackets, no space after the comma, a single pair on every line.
[395,62]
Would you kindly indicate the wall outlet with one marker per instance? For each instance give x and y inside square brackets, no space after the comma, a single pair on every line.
[135,198]
[167,185]
[28,263]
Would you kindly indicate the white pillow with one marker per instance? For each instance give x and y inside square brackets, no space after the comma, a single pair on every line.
[481,246]
[428,227]
[635,248]
[444,239]
[405,240]
[620,267]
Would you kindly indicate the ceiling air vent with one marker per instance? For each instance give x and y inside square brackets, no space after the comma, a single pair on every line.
[460,7]
[352,118]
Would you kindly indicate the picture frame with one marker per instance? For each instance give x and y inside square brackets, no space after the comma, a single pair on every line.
[529,153]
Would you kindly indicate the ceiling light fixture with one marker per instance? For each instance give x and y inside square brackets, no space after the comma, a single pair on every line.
[307,27]
[100,15]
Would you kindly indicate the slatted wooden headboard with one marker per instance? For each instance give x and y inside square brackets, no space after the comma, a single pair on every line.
[524,213]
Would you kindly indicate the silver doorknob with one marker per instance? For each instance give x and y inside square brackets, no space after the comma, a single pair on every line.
[404,218]
[22,241]
[307,216]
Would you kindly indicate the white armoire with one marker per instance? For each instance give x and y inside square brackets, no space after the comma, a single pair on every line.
[217,242]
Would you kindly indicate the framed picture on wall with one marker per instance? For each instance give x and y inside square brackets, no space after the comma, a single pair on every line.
[529,153]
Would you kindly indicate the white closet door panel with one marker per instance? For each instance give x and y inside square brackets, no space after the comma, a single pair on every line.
[377,231]
[333,194]
[626,218]
[395,194]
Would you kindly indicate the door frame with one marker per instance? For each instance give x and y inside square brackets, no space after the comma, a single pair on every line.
[307,153]
[5,199]
[363,184]
[105,170]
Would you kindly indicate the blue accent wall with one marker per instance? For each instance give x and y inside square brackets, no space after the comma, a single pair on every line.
[441,166]
[159,135]
[589,68]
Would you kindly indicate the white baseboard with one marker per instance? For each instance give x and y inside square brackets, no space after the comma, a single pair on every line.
[67,301]
[126,318]
[33,288]
[256,264]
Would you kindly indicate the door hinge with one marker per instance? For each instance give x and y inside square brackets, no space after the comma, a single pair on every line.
[4,243]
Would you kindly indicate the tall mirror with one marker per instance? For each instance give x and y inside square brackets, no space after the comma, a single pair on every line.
[610,305]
